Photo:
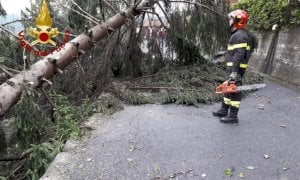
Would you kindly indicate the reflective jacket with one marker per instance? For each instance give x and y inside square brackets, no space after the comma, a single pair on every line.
[238,52]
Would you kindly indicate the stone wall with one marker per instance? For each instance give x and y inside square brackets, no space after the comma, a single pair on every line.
[278,56]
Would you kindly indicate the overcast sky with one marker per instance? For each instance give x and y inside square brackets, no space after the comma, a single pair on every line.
[14,6]
[13,9]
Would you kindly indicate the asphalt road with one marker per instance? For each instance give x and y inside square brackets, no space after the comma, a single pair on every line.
[185,142]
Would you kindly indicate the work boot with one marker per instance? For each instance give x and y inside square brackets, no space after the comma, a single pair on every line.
[222,112]
[231,117]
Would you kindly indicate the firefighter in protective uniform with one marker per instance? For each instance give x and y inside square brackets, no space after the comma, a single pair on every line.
[237,56]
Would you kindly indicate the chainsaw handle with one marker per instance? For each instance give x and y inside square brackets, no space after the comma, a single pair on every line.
[220,89]
[226,87]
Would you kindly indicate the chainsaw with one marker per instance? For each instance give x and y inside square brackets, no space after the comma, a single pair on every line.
[230,87]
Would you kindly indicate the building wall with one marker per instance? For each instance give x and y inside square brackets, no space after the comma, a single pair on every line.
[286,62]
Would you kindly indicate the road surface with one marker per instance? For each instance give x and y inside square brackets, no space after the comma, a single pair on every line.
[185,142]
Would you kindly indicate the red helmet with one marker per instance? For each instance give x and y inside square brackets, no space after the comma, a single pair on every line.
[238,18]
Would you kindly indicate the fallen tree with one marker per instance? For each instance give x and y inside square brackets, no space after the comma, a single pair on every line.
[47,67]
[183,39]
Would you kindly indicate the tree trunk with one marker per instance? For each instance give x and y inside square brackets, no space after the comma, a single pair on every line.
[47,67]
[133,54]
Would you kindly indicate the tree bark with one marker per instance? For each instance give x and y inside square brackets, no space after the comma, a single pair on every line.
[47,67]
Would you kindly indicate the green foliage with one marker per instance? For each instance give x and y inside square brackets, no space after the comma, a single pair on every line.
[108,105]
[76,21]
[153,62]
[228,172]
[295,17]
[264,13]
[41,156]
[34,127]
[186,85]
[182,98]
[86,109]
[67,124]
[11,52]
[68,117]
[2,11]
[252,78]
[135,98]
[3,144]
[198,31]
[31,119]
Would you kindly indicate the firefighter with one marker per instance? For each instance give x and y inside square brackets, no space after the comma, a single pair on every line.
[237,56]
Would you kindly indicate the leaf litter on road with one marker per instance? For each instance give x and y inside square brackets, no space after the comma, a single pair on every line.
[251,167]
[241,174]
[228,171]
[129,160]
[185,173]
[261,107]
[131,148]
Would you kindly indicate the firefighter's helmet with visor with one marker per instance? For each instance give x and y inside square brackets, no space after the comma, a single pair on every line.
[238,18]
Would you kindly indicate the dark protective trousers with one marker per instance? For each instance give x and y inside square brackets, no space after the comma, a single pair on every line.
[234,99]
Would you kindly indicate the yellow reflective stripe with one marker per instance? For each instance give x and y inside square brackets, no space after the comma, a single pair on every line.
[235,46]
[227,101]
[235,104]
[242,45]
[229,64]
[243,66]
[248,48]
[230,48]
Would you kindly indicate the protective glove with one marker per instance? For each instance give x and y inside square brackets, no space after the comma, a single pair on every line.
[232,76]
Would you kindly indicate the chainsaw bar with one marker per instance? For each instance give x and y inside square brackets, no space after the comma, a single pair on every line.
[250,87]
[228,87]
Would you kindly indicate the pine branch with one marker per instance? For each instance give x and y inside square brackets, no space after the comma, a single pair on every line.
[48,66]
[6,72]
[124,1]
[23,156]
[198,4]
[164,12]
[15,36]
[161,87]
[18,20]
[141,25]
[148,76]
[51,103]
[137,3]
[86,13]
[116,43]
[110,6]
[9,31]
[79,13]
[101,9]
